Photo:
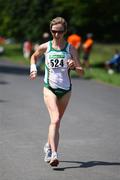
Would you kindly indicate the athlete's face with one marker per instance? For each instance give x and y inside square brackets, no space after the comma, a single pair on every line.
[57,31]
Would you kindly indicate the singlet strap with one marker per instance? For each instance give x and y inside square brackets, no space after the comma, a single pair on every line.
[66,48]
[48,47]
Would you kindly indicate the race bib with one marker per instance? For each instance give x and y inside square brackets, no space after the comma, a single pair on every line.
[56,63]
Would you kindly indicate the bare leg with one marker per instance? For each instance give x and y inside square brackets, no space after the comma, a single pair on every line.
[56,108]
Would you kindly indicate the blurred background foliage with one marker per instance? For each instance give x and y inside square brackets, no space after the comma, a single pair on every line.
[28,19]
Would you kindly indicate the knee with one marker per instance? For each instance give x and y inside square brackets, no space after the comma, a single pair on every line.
[56,122]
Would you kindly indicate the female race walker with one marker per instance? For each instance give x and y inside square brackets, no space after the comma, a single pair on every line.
[60,58]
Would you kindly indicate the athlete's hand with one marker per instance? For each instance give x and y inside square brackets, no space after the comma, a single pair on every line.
[33,75]
[71,64]
[79,70]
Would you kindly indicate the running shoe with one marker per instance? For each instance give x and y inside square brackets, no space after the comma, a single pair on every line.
[48,153]
[54,160]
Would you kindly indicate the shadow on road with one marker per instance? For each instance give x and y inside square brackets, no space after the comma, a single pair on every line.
[3,82]
[88,164]
[12,69]
[3,101]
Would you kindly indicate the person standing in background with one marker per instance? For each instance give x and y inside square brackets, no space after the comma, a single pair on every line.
[75,41]
[27,49]
[87,47]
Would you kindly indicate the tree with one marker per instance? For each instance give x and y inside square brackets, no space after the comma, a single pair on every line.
[25,19]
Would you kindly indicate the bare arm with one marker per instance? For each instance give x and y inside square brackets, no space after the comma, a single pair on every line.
[40,50]
[75,57]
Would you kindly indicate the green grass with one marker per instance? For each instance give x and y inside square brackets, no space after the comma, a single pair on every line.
[103,76]
[13,52]
[100,53]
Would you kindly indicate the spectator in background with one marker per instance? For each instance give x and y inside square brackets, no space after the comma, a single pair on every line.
[75,40]
[2,40]
[114,63]
[27,49]
[46,37]
[87,47]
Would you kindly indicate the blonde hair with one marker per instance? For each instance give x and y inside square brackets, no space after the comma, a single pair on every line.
[59,20]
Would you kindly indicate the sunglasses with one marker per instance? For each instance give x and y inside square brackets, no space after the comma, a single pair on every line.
[59,32]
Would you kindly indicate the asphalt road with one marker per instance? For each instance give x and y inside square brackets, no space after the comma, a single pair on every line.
[89,146]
